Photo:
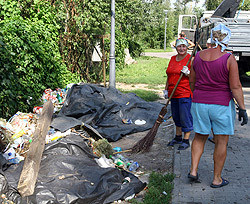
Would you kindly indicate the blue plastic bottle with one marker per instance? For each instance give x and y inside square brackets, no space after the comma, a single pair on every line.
[133,166]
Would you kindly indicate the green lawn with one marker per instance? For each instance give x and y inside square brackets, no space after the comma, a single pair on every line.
[147,70]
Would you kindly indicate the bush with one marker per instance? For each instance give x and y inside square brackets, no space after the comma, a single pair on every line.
[30,59]
[135,49]
[159,188]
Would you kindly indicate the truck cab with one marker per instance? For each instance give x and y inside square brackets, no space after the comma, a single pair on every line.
[188,25]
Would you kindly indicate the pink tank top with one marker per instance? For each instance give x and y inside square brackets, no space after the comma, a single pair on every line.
[212,81]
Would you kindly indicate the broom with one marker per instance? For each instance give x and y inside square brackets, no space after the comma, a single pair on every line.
[145,143]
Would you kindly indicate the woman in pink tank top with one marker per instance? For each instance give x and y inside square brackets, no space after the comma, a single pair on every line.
[214,80]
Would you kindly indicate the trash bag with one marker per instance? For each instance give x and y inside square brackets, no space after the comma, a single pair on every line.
[69,174]
[106,109]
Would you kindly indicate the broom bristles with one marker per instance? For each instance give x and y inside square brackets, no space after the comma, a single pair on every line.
[146,142]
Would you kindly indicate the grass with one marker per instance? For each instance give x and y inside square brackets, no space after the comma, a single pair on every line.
[148,70]
[159,189]
[144,94]
[168,49]
[156,87]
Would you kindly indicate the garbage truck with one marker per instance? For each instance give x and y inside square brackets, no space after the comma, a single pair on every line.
[227,13]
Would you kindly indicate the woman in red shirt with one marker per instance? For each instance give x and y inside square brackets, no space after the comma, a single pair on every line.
[182,98]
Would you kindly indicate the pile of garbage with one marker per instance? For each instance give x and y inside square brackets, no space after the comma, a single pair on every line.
[108,156]
[17,132]
[57,97]
[72,157]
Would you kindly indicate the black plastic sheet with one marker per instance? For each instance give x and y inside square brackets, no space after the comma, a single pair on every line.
[69,174]
[103,109]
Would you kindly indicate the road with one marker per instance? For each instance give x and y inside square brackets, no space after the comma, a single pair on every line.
[166,55]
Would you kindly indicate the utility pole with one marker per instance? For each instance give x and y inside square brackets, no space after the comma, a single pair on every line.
[166,19]
[112,47]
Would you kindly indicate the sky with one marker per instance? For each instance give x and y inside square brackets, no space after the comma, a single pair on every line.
[200,4]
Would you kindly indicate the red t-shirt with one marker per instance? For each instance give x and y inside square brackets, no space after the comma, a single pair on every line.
[174,71]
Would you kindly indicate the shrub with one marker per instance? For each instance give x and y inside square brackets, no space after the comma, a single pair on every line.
[30,59]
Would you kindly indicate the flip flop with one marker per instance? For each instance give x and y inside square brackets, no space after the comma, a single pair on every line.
[223,183]
[174,141]
[183,146]
[194,178]
[211,139]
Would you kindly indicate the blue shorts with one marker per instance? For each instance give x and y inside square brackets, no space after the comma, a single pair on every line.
[180,108]
[220,118]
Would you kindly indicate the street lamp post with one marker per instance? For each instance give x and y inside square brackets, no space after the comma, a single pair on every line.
[112,47]
[166,19]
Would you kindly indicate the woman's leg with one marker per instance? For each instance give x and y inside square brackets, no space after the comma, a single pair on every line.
[196,151]
[220,154]
[187,135]
[178,131]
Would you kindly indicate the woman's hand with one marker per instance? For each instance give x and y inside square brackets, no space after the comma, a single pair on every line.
[243,115]
[185,70]
[165,93]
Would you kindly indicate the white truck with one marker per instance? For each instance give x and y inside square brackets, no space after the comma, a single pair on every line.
[237,21]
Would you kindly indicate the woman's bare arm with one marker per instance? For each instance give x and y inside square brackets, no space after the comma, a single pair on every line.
[192,78]
[234,81]
[166,86]
[191,44]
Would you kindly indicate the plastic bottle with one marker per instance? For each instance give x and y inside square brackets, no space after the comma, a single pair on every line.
[14,160]
[18,134]
[133,166]
[17,159]
[126,161]
[59,98]
[117,161]
[117,149]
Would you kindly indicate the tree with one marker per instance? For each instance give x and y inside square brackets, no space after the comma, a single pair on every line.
[245,6]
[181,5]
[30,58]
[152,35]
[212,4]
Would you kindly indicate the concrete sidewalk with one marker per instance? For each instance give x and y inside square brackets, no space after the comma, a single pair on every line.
[236,170]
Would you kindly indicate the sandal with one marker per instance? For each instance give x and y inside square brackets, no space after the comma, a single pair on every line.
[211,139]
[173,142]
[184,146]
[223,183]
[194,178]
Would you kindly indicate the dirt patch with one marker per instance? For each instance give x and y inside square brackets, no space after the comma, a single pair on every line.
[130,87]
[166,55]
[159,158]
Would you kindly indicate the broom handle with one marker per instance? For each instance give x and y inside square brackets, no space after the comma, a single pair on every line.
[197,43]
